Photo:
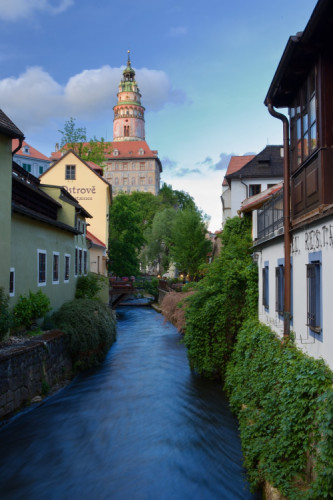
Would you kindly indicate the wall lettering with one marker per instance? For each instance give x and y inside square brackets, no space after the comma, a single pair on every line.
[79,190]
[318,238]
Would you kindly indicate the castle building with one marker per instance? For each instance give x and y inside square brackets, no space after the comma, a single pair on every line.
[131,165]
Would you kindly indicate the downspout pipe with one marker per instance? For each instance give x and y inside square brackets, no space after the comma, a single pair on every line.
[286,220]
[20,139]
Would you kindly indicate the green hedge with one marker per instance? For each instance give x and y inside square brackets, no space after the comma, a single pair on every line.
[222,300]
[284,402]
[90,327]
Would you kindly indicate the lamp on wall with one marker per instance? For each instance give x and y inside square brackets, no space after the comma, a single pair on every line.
[255,256]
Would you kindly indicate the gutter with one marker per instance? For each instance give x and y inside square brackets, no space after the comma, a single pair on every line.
[20,139]
[286,219]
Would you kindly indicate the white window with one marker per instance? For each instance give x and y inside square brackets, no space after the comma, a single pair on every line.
[41,267]
[76,263]
[85,262]
[12,282]
[80,260]
[67,267]
[55,268]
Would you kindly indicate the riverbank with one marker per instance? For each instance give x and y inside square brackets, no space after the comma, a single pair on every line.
[32,368]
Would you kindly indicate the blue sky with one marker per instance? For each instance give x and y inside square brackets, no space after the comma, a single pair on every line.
[203,69]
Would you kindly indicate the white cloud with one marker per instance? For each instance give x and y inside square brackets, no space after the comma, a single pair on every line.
[34,99]
[12,10]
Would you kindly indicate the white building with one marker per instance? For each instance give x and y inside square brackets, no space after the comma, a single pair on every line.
[250,175]
[29,158]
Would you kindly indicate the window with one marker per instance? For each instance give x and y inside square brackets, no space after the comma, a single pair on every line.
[80,260]
[279,289]
[12,282]
[115,152]
[303,122]
[313,274]
[55,268]
[265,286]
[254,189]
[142,181]
[26,167]
[125,166]
[126,129]
[142,165]
[67,267]
[125,181]
[41,267]
[85,262]
[70,172]
[76,262]
[41,170]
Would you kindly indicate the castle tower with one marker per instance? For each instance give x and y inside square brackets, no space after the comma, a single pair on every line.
[128,121]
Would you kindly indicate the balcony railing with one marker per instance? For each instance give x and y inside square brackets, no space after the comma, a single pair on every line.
[270,216]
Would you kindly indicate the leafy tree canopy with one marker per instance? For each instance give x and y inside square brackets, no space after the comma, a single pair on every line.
[75,138]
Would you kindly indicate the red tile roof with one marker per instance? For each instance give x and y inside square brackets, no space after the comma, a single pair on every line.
[235,164]
[94,239]
[94,166]
[33,153]
[126,149]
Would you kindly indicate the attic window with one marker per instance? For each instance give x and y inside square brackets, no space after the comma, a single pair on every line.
[141,151]
[26,150]
[115,152]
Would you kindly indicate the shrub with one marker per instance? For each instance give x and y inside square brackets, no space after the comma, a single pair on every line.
[87,287]
[222,300]
[284,402]
[90,328]
[151,287]
[173,308]
[29,308]
[5,317]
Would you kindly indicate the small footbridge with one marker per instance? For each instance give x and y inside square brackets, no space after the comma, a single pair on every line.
[119,290]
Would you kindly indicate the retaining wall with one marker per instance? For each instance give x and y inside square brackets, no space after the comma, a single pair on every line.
[31,369]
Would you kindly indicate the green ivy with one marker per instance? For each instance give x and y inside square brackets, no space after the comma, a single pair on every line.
[284,402]
[223,299]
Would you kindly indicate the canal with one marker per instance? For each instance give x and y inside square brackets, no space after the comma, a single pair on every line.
[141,426]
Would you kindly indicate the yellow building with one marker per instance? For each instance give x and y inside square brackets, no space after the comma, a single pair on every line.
[83,180]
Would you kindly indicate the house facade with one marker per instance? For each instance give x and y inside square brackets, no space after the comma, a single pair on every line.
[302,83]
[83,181]
[29,158]
[247,176]
[43,246]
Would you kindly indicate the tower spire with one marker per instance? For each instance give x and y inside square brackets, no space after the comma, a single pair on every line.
[128,121]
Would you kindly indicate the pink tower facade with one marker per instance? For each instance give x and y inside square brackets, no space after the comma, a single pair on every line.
[128,121]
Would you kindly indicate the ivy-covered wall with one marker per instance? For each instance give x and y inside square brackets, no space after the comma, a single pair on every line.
[282,397]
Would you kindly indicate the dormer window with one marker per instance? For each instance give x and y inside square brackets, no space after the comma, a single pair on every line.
[26,150]
[141,151]
[115,152]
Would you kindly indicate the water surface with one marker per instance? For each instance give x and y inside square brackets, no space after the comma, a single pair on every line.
[141,426]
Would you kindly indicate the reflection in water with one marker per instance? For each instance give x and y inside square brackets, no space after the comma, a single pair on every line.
[140,426]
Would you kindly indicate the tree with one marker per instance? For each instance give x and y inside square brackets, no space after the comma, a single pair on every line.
[75,138]
[172,198]
[126,236]
[190,245]
[159,239]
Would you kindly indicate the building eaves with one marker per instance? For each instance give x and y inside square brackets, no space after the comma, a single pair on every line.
[9,128]
[20,209]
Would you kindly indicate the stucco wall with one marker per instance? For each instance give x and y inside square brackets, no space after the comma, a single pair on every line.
[30,369]
[315,241]
[5,209]
[29,235]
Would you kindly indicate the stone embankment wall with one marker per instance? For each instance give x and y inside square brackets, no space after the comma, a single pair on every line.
[31,369]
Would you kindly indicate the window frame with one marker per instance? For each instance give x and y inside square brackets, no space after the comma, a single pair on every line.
[303,117]
[70,172]
[279,289]
[55,258]
[39,281]
[12,288]
[314,293]
[254,187]
[67,258]
[265,286]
